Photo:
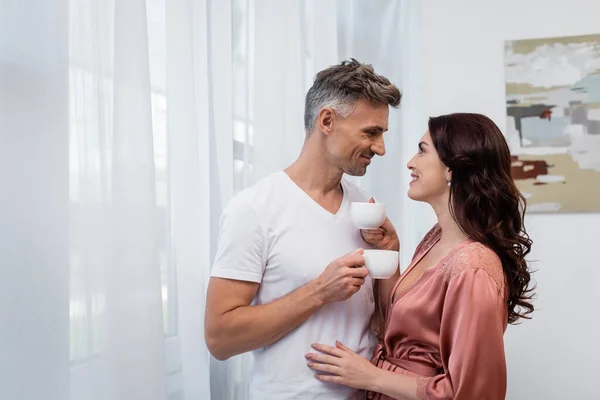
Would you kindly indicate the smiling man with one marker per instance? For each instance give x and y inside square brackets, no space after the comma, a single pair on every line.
[288,270]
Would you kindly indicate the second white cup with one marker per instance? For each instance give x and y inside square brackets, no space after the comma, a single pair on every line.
[382,264]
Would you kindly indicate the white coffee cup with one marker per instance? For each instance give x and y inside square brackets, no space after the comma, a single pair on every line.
[367,215]
[381,264]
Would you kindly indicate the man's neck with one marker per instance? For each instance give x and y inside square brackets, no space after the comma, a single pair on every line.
[314,175]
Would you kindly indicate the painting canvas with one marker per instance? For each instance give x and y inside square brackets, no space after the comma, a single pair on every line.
[553,121]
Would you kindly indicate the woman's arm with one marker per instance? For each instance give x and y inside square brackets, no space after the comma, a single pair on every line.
[384,290]
[395,385]
[471,341]
[342,366]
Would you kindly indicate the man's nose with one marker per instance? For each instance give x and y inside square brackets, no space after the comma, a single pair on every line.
[378,147]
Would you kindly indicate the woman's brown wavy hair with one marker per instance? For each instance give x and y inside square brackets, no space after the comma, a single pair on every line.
[484,199]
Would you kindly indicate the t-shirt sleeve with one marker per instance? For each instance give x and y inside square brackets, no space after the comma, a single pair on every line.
[241,249]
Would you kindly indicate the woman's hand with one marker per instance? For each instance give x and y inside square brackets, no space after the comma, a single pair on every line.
[384,237]
[342,366]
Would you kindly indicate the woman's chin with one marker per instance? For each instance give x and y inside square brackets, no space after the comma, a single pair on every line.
[412,195]
[415,195]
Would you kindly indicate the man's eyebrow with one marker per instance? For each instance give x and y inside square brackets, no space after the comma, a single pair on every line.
[374,128]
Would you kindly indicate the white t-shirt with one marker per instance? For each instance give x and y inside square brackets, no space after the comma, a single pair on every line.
[275,234]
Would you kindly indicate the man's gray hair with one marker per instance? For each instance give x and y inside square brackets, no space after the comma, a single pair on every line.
[340,86]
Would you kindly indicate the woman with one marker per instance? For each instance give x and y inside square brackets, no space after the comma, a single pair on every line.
[446,315]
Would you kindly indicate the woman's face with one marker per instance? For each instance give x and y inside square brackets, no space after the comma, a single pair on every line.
[430,176]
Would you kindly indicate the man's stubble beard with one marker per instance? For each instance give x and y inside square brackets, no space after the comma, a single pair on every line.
[349,168]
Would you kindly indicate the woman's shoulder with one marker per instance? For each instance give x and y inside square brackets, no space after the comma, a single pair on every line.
[473,256]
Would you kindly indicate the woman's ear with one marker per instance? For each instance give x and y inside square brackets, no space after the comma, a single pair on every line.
[448,175]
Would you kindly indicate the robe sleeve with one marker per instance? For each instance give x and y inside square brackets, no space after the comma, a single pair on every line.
[471,340]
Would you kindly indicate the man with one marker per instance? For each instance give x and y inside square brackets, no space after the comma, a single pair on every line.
[278,283]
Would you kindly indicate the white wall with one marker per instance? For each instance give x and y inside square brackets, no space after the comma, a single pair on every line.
[557,354]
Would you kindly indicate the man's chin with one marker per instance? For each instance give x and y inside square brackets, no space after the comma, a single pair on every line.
[356,171]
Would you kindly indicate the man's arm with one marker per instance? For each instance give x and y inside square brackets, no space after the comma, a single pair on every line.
[233,326]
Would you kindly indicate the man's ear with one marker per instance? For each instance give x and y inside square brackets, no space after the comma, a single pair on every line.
[325,120]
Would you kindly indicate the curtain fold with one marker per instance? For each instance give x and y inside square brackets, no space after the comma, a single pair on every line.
[134,337]
[189,169]
[34,165]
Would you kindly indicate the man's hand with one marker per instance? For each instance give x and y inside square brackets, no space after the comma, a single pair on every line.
[384,237]
[342,278]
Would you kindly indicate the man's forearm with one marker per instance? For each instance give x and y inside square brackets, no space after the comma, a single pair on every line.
[248,328]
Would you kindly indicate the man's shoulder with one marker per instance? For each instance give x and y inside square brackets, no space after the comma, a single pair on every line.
[262,193]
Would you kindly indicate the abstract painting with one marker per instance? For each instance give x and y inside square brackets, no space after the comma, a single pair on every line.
[553,121]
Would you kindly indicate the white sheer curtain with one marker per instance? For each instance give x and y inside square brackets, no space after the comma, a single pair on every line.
[125,126]
[34,207]
[115,157]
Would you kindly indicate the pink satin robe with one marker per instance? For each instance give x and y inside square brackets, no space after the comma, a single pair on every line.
[447,327]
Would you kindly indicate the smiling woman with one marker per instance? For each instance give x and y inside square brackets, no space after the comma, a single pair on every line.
[484,199]
[468,278]
[429,174]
